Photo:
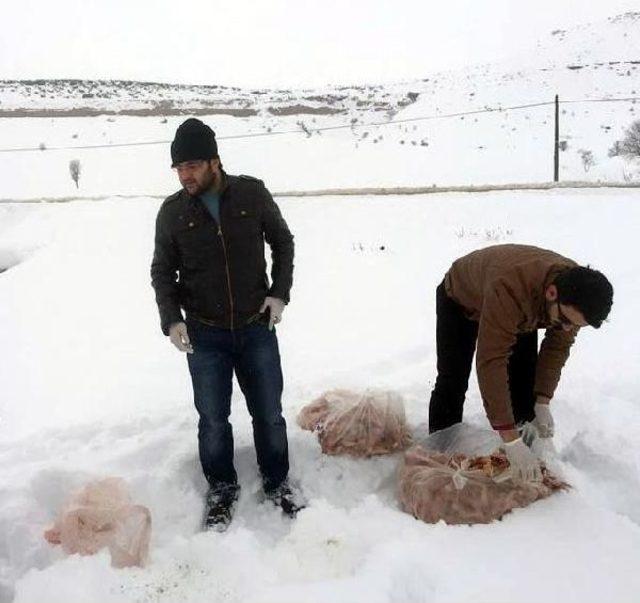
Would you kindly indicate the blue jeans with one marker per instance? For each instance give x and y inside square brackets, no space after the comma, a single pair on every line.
[252,352]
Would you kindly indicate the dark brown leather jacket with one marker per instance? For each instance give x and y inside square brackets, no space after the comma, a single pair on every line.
[217,272]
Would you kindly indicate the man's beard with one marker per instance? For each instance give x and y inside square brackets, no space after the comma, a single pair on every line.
[197,188]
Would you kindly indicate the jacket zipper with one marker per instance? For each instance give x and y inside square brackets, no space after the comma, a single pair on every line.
[226,265]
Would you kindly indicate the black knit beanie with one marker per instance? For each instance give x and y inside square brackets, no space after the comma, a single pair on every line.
[194,140]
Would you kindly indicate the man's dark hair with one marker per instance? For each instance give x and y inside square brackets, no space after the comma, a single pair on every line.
[588,291]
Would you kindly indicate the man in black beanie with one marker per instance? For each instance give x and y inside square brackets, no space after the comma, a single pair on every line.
[209,262]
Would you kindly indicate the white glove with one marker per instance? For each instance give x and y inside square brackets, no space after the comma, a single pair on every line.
[529,433]
[180,338]
[544,421]
[524,464]
[276,308]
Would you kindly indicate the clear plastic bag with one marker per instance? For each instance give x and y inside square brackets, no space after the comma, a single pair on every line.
[460,438]
[313,415]
[357,424]
[460,476]
[101,515]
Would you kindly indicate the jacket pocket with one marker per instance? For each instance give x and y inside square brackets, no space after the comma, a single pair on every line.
[242,228]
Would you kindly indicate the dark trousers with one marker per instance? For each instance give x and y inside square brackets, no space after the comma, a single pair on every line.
[252,352]
[456,338]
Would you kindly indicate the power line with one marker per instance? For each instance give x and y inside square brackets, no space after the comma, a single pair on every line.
[350,126]
[296,131]
[633,99]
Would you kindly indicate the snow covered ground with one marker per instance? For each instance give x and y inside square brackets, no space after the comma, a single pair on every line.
[91,388]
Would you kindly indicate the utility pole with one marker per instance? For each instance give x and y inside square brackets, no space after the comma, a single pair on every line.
[556,148]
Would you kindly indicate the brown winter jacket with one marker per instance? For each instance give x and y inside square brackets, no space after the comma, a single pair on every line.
[503,288]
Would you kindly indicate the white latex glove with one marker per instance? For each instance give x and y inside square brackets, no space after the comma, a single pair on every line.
[529,433]
[544,421]
[180,338]
[276,308]
[524,464]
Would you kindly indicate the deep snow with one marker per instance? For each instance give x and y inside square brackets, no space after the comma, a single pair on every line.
[91,388]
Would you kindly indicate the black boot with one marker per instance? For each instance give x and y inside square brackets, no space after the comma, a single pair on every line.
[219,506]
[288,498]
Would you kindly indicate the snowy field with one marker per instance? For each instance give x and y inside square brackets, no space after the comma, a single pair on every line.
[90,388]
[489,148]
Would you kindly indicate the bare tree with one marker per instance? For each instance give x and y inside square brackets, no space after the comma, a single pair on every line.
[74,170]
[304,128]
[587,159]
[630,144]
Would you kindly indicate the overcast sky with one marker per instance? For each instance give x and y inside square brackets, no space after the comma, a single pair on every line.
[274,42]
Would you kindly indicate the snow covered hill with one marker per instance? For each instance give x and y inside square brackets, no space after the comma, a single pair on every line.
[446,128]
[609,46]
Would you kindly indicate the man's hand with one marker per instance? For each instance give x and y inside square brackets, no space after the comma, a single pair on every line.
[544,420]
[180,338]
[276,308]
[524,464]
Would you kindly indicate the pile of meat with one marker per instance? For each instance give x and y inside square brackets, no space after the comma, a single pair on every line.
[101,515]
[357,424]
[461,489]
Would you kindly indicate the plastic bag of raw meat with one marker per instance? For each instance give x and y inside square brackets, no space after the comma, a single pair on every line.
[101,515]
[357,424]
[460,475]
